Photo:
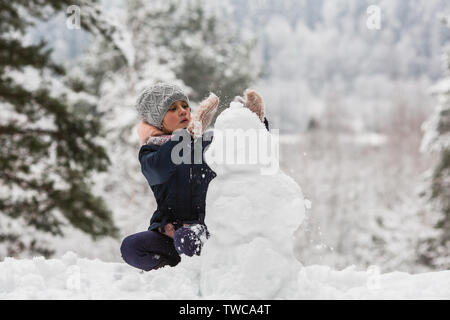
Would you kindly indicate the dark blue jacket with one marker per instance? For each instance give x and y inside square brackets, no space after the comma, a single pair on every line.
[179,189]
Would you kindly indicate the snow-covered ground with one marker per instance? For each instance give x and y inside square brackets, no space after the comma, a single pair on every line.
[77,278]
[253,209]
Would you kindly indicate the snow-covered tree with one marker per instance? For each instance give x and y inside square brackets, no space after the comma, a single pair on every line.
[435,250]
[48,135]
[198,42]
[314,49]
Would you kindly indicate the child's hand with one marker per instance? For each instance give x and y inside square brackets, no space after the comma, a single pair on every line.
[169,230]
[253,101]
[146,130]
[202,118]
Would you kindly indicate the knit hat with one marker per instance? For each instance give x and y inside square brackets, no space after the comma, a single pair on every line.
[154,102]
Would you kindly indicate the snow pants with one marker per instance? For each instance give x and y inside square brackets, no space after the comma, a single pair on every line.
[151,249]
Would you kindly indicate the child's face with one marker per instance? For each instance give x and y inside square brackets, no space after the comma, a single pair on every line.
[177,116]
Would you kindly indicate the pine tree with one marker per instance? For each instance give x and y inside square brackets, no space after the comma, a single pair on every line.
[434,251]
[48,135]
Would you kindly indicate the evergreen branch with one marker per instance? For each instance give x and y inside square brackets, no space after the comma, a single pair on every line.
[13,130]
[15,55]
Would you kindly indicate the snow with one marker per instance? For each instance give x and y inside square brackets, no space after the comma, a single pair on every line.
[72,277]
[106,24]
[252,218]
[436,139]
[363,138]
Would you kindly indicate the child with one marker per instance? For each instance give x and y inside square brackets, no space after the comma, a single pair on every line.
[177,226]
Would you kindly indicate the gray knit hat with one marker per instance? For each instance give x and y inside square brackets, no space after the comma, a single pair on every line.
[154,102]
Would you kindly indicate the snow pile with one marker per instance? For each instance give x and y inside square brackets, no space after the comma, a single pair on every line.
[322,282]
[252,217]
[72,277]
